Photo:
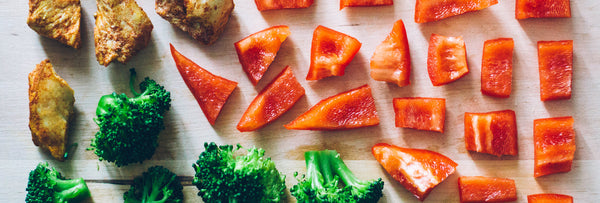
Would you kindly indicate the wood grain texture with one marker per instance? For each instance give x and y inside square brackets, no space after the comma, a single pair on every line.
[187,128]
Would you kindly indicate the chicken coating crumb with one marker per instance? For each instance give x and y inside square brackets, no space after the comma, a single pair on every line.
[205,20]
[56,19]
[50,109]
[122,28]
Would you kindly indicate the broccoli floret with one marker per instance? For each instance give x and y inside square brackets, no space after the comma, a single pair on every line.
[324,169]
[129,127]
[48,185]
[223,177]
[157,185]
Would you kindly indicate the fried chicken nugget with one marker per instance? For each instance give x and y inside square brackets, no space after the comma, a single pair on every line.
[56,19]
[205,20]
[122,28]
[50,109]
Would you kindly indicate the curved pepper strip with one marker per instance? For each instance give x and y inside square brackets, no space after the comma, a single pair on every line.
[272,102]
[434,10]
[352,109]
[475,189]
[542,9]
[264,5]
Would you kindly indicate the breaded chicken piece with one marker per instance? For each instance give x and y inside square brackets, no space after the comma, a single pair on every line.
[122,28]
[50,109]
[56,19]
[203,19]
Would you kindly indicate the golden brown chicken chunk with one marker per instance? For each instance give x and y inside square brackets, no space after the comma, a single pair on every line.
[50,109]
[122,28]
[203,19]
[56,19]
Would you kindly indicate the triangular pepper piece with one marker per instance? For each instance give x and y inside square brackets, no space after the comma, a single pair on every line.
[391,60]
[418,170]
[434,10]
[330,53]
[210,91]
[272,102]
[257,51]
[347,110]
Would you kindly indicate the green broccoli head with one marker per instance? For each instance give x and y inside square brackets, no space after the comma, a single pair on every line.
[48,185]
[223,177]
[157,185]
[324,170]
[129,127]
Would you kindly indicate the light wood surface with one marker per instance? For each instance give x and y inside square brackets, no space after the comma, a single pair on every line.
[187,128]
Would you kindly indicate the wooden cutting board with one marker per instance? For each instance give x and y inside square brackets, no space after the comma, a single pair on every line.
[187,128]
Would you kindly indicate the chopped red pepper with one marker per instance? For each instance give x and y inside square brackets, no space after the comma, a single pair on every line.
[273,101]
[418,170]
[492,133]
[434,10]
[420,113]
[352,109]
[549,198]
[542,9]
[496,67]
[446,59]
[391,60]
[330,53]
[353,3]
[257,51]
[486,189]
[555,60]
[554,143]
[264,5]
[210,91]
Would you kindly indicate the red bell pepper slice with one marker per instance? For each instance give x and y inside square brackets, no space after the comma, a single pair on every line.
[554,144]
[391,60]
[542,9]
[434,10]
[549,198]
[420,113]
[210,91]
[496,67]
[418,170]
[330,53]
[353,3]
[257,51]
[272,102]
[555,60]
[486,189]
[492,133]
[352,109]
[446,59]
[264,5]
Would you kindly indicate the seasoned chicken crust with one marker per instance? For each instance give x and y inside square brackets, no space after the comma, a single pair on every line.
[203,19]
[56,19]
[122,28]
[50,109]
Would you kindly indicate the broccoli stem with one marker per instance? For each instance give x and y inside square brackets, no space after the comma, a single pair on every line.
[132,82]
[343,171]
[313,169]
[71,189]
